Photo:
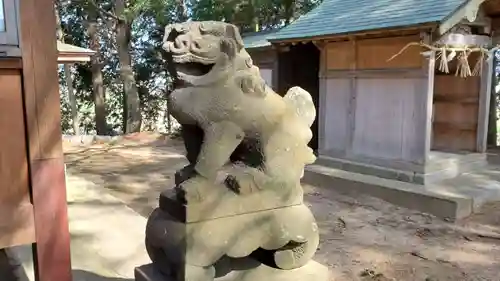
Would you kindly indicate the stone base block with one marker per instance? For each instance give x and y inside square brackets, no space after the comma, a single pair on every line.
[222,202]
[288,237]
[246,269]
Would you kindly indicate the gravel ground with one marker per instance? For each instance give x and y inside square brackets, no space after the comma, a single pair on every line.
[362,238]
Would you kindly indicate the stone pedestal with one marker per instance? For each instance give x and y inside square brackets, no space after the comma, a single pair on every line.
[246,269]
[203,241]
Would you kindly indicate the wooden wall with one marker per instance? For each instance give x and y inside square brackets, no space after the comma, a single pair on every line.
[16,210]
[386,122]
[335,107]
[263,57]
[373,54]
[455,111]
[266,60]
[373,107]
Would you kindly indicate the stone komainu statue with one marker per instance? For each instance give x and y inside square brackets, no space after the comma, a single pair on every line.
[239,201]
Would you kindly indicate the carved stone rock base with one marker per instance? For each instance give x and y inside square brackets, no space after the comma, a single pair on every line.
[285,237]
[245,269]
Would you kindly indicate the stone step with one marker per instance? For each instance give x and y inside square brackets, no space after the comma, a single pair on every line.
[441,166]
[450,199]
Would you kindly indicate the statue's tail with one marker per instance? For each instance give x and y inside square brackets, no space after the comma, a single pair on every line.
[302,102]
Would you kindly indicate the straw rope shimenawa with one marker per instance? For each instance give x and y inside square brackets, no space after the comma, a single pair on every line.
[445,54]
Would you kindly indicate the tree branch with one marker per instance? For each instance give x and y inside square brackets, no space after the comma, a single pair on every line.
[103,12]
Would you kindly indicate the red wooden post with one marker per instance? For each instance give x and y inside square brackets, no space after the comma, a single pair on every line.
[42,109]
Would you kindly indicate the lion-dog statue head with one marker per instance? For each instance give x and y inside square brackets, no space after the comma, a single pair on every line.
[202,53]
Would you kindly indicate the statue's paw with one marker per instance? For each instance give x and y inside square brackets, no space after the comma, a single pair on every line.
[193,189]
[241,184]
[197,273]
[292,255]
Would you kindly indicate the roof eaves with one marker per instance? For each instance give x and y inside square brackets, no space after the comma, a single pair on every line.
[297,30]
[68,53]
[267,44]
[321,36]
[259,40]
[71,49]
[466,9]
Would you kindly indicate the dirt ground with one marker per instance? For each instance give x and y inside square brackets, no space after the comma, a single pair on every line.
[361,238]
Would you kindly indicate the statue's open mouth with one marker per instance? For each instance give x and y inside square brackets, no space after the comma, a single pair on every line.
[194,68]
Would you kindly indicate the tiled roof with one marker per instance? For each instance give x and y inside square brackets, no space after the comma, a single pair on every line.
[67,48]
[347,16]
[257,39]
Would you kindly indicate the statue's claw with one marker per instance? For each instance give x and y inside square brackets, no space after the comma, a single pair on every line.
[241,184]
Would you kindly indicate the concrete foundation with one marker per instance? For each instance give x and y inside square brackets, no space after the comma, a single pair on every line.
[450,198]
[440,166]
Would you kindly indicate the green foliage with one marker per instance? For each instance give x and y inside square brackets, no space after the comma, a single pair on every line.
[148,19]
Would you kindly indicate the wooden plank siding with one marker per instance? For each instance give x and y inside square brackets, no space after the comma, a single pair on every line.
[374,107]
[456,104]
[46,163]
[388,119]
[335,108]
[340,55]
[374,54]
[456,107]
[455,117]
[266,60]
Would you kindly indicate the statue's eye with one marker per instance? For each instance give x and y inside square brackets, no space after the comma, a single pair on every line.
[249,62]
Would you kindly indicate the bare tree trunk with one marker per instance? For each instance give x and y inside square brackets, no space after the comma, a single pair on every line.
[68,79]
[169,122]
[75,116]
[132,111]
[182,10]
[289,11]
[255,16]
[99,93]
